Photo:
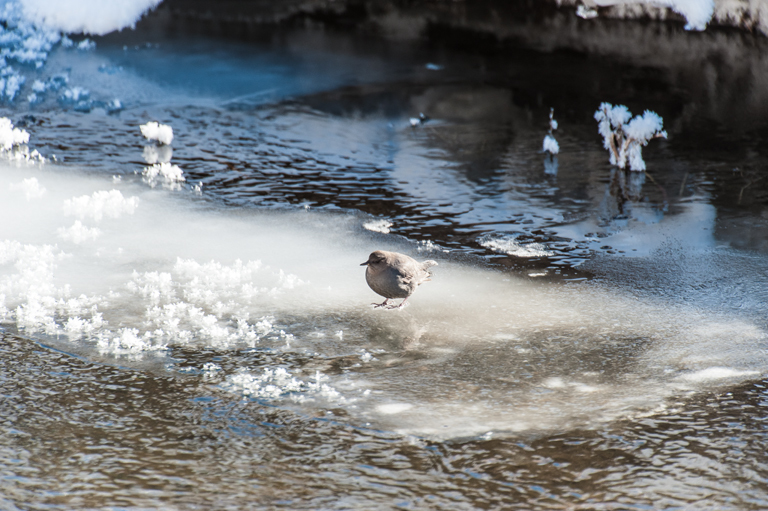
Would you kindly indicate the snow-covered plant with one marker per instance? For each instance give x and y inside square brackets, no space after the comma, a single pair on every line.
[624,137]
[170,176]
[11,137]
[162,133]
[550,144]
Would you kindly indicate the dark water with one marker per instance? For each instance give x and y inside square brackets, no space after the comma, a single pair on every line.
[89,436]
[642,388]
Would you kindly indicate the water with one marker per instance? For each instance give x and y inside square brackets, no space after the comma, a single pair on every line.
[591,339]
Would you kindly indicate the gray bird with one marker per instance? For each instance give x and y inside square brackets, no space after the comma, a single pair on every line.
[394,275]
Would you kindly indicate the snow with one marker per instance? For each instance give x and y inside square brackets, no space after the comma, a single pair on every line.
[697,13]
[393,408]
[75,94]
[11,137]
[584,12]
[10,83]
[86,45]
[510,246]
[550,145]
[83,16]
[30,187]
[78,233]
[168,175]
[381,226]
[716,373]
[159,132]
[624,137]
[102,203]
[278,382]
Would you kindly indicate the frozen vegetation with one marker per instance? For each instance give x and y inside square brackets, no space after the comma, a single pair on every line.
[161,170]
[166,174]
[550,144]
[11,137]
[624,137]
[155,131]
[13,143]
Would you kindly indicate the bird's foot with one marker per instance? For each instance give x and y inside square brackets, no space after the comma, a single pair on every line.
[382,304]
[401,306]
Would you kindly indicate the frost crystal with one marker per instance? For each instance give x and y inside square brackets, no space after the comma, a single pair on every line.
[75,94]
[624,137]
[86,45]
[509,245]
[170,176]
[10,136]
[381,226]
[103,203]
[550,144]
[156,131]
[280,384]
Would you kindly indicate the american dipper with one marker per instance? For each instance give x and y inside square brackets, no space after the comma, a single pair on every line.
[394,275]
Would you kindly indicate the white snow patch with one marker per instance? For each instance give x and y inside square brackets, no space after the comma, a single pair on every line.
[30,187]
[550,145]
[78,233]
[393,408]
[697,13]
[10,83]
[510,246]
[83,16]
[554,383]
[279,383]
[75,94]
[584,12]
[429,246]
[102,203]
[381,226]
[86,45]
[166,174]
[11,137]
[159,132]
[128,341]
[715,373]
[31,292]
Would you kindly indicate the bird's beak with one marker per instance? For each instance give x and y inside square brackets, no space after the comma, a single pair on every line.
[364,264]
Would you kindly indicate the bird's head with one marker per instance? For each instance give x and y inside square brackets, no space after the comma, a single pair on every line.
[376,259]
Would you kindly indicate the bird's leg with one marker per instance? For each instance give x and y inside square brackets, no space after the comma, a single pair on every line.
[382,304]
[402,304]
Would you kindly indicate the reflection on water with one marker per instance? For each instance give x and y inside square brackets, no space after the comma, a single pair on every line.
[592,338]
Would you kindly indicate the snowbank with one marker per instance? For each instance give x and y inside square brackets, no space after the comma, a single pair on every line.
[83,16]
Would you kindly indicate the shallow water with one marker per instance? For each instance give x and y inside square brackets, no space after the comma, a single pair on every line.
[591,339]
